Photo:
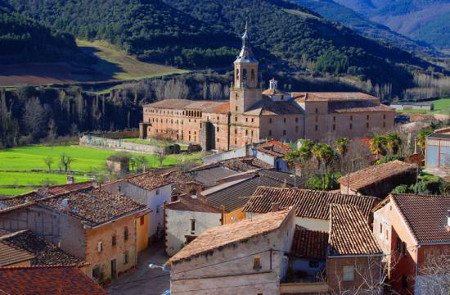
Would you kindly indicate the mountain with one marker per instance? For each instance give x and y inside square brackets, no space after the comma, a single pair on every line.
[149,29]
[336,12]
[24,40]
[423,20]
[288,38]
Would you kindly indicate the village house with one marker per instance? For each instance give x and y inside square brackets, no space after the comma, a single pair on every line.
[437,152]
[312,208]
[101,228]
[378,180]
[42,251]
[11,256]
[413,232]
[150,189]
[246,257]
[354,263]
[186,219]
[270,152]
[232,194]
[252,115]
[47,280]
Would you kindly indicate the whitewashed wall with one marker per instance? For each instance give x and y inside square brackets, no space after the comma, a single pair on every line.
[178,226]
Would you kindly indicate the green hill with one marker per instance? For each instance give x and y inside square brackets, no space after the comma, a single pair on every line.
[24,40]
[364,26]
[423,20]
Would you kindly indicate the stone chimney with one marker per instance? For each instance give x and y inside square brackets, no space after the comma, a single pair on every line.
[275,207]
[273,84]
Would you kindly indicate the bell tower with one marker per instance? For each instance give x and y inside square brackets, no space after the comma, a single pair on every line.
[245,91]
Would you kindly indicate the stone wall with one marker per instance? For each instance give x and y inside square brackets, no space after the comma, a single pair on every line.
[119,145]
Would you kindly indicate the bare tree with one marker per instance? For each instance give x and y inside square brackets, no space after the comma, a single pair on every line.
[49,162]
[65,161]
[434,275]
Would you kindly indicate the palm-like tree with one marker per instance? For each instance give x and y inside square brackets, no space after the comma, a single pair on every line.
[378,145]
[422,137]
[323,153]
[393,142]
[342,144]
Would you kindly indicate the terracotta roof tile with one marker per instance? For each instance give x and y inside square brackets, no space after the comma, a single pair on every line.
[309,244]
[274,148]
[10,254]
[148,180]
[426,216]
[307,203]
[47,280]
[67,188]
[94,206]
[375,174]
[245,164]
[333,96]
[268,107]
[45,253]
[178,104]
[229,234]
[188,203]
[350,233]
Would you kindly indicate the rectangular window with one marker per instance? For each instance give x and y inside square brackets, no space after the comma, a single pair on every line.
[351,126]
[367,125]
[296,120]
[284,120]
[217,129]
[125,257]
[270,120]
[99,247]
[381,228]
[113,240]
[384,116]
[253,120]
[317,110]
[351,118]
[368,117]
[317,127]
[284,132]
[157,191]
[334,127]
[348,273]
[142,220]
[270,132]
[192,225]
[125,234]
[334,119]
[256,263]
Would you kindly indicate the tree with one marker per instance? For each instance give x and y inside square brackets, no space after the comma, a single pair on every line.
[393,142]
[65,161]
[378,145]
[435,275]
[342,144]
[323,153]
[422,137]
[49,162]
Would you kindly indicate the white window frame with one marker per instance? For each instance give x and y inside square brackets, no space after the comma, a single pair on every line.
[348,273]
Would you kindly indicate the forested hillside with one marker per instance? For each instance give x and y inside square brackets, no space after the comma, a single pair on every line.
[149,29]
[24,40]
[336,12]
[425,20]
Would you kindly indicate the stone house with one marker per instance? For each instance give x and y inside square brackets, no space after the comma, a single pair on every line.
[437,152]
[378,180]
[413,232]
[245,257]
[312,208]
[101,228]
[233,193]
[43,252]
[354,262]
[252,115]
[186,219]
[47,280]
[150,189]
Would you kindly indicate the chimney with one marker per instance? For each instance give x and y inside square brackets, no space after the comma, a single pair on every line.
[273,84]
[70,179]
[275,207]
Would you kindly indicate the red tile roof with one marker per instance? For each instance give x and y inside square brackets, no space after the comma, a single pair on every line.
[233,233]
[181,104]
[94,206]
[274,148]
[333,96]
[307,203]
[188,203]
[376,174]
[46,280]
[148,180]
[309,244]
[350,233]
[426,216]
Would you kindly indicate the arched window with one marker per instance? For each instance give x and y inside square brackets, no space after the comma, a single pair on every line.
[237,74]
[244,74]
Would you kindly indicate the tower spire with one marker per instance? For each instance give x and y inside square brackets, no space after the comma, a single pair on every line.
[246,53]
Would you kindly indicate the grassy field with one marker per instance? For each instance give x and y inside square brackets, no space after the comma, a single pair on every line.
[25,166]
[120,66]
[441,106]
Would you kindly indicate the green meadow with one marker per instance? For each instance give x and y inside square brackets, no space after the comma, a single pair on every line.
[23,169]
